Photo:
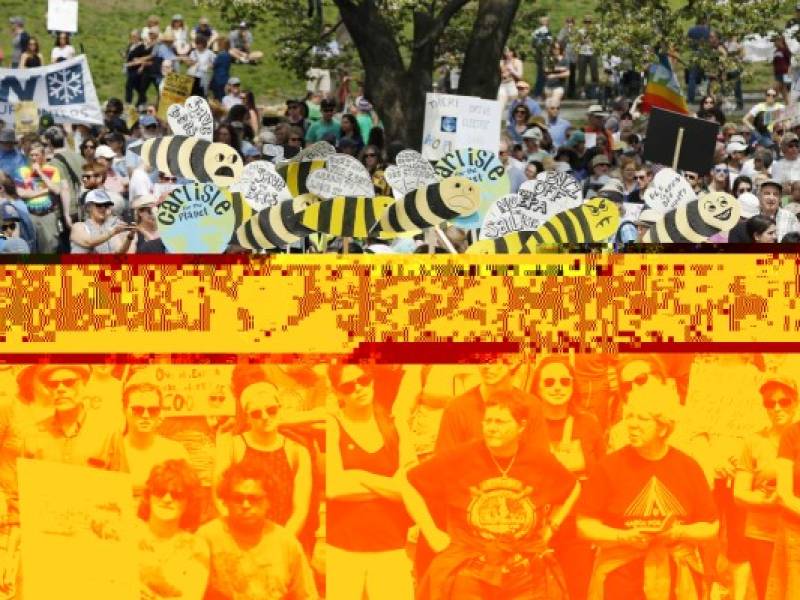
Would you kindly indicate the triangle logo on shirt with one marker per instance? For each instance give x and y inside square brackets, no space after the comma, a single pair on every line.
[653,506]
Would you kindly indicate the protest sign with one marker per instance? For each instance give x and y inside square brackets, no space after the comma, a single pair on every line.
[482,167]
[667,190]
[65,90]
[410,172]
[508,214]
[453,122]
[62,15]
[343,175]
[196,219]
[193,118]
[78,536]
[681,142]
[261,186]
[697,220]
[26,117]
[190,390]
[177,88]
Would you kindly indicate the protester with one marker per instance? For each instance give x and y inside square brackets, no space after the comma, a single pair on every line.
[11,241]
[63,50]
[325,126]
[761,230]
[99,233]
[511,71]
[241,45]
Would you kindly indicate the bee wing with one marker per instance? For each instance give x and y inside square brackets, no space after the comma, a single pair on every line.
[200,114]
[318,151]
[261,185]
[343,175]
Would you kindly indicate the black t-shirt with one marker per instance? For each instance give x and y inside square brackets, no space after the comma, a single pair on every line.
[134,52]
[626,490]
[482,505]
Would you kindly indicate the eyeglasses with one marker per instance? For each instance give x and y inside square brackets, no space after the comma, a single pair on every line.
[160,492]
[626,386]
[551,381]
[260,414]
[152,411]
[103,206]
[720,170]
[371,155]
[348,387]
[54,384]
[744,189]
[8,226]
[783,403]
[237,498]
[168,178]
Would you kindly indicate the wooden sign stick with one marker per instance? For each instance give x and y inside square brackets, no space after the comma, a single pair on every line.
[677,154]
[445,240]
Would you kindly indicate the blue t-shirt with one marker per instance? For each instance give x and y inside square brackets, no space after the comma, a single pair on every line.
[221,68]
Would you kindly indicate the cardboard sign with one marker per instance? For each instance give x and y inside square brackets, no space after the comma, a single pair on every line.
[62,15]
[78,536]
[483,168]
[667,190]
[343,175]
[193,118]
[64,89]
[508,214]
[261,186]
[317,151]
[177,89]
[346,216]
[277,226]
[681,142]
[410,172]
[26,117]
[697,220]
[196,219]
[453,122]
[190,390]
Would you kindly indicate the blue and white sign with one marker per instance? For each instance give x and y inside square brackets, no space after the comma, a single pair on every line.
[65,90]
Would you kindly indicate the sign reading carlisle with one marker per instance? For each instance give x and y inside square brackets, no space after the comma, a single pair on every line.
[65,90]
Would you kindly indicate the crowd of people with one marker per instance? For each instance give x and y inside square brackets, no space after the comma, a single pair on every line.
[83,189]
[552,477]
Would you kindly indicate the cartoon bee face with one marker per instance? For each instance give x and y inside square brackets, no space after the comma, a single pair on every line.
[223,164]
[719,210]
[602,216]
[303,201]
[460,195]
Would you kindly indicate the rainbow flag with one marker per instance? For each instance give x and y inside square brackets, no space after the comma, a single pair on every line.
[662,89]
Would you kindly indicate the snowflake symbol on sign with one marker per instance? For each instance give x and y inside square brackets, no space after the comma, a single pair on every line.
[66,86]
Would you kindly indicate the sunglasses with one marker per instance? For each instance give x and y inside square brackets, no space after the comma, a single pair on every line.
[54,384]
[641,177]
[551,381]
[626,386]
[348,387]
[251,498]
[783,403]
[371,155]
[152,411]
[742,190]
[718,170]
[89,147]
[178,495]
[260,414]
[8,226]
[169,179]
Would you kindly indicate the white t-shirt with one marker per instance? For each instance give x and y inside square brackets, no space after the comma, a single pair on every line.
[205,62]
[786,171]
[230,101]
[66,53]
[764,107]
[140,184]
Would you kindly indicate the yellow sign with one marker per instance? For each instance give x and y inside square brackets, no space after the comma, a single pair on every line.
[26,117]
[177,88]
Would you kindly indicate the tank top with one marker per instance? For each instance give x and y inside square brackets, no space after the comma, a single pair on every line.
[373,525]
[277,463]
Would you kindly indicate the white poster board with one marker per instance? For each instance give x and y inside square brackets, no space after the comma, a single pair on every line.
[78,537]
[62,15]
[190,390]
[453,122]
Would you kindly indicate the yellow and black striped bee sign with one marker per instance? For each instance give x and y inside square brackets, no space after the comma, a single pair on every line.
[593,221]
[272,228]
[295,174]
[429,206]
[346,216]
[696,221]
[192,158]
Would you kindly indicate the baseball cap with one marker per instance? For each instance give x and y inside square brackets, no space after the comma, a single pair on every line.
[577,137]
[773,183]
[104,151]
[749,205]
[148,121]
[100,197]
[235,81]
[596,109]
[7,136]
[167,36]
[16,21]
[177,17]
[600,159]
[8,212]
[613,190]
[779,381]
[534,133]
[735,147]
[363,104]
[144,201]
[788,137]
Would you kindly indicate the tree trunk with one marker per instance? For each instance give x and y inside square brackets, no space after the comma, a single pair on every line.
[480,75]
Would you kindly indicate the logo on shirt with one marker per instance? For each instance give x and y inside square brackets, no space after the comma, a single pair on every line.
[653,506]
[502,509]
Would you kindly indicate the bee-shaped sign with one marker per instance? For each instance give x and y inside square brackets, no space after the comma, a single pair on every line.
[697,220]
[345,215]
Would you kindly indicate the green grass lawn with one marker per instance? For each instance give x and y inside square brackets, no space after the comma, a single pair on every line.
[104,26]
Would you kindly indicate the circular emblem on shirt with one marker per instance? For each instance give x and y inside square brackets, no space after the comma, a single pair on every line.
[502,509]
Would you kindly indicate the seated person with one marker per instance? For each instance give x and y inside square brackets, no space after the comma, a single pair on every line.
[241,40]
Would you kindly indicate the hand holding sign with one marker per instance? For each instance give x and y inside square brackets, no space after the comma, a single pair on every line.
[261,186]
[196,219]
[667,190]
[343,175]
